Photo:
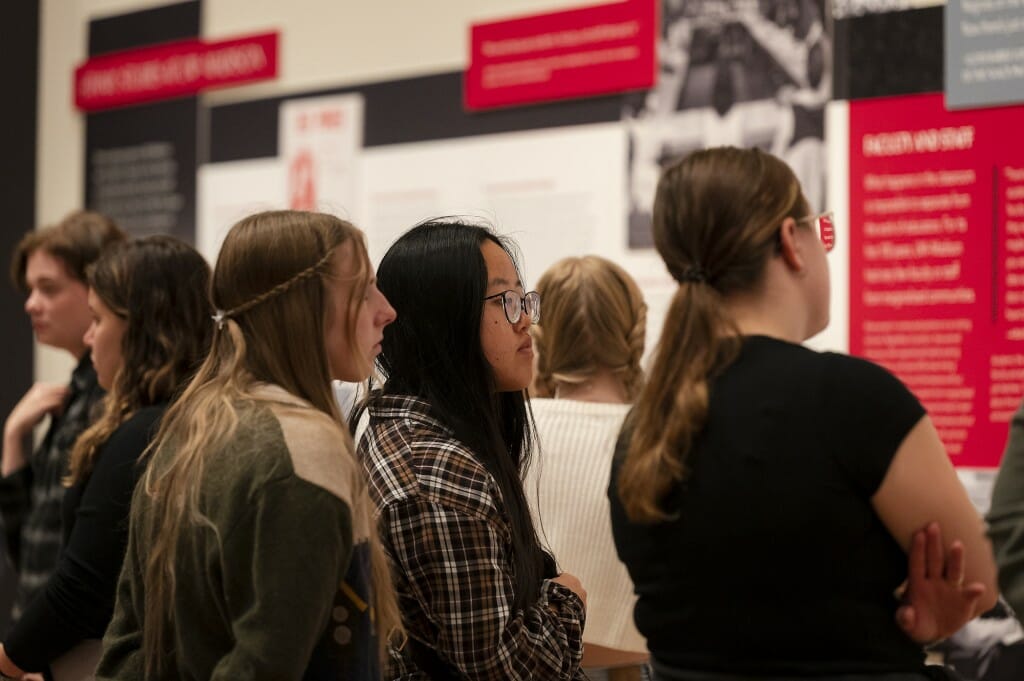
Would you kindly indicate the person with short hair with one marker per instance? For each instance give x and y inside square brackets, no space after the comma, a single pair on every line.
[589,344]
[766,497]
[150,328]
[49,266]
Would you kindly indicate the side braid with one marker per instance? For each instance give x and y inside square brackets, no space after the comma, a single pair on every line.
[306,274]
[634,373]
[629,346]
[543,380]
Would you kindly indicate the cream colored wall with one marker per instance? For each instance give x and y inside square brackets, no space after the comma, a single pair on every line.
[323,43]
[329,42]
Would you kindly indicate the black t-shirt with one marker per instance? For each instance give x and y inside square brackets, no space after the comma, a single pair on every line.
[774,561]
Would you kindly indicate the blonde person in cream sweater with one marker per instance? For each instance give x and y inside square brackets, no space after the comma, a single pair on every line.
[589,343]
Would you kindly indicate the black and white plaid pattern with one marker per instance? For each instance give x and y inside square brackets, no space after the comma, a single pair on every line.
[31,499]
[446,531]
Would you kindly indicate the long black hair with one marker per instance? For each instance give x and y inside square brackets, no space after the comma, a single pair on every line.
[435,277]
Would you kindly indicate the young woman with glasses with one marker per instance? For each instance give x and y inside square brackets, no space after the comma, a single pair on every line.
[449,436]
[766,496]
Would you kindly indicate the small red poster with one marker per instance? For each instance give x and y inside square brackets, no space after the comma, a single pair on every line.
[574,53]
[937,261]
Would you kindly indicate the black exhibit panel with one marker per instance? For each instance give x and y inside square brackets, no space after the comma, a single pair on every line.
[890,53]
[408,110]
[140,162]
[19,34]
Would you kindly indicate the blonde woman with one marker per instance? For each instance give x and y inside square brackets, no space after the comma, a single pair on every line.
[768,495]
[588,343]
[253,553]
[149,329]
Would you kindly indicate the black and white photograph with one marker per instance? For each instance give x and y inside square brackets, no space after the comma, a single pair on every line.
[732,72]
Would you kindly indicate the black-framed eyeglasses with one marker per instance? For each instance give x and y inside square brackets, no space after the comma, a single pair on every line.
[515,305]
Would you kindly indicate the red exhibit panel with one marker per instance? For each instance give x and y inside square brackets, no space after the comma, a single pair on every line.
[582,52]
[937,261]
[173,69]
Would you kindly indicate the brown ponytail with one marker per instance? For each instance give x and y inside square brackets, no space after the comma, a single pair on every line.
[716,217]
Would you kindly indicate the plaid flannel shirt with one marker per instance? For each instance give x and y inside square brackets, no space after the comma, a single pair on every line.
[444,527]
[31,499]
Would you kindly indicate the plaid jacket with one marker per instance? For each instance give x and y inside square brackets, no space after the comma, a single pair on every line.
[31,499]
[444,527]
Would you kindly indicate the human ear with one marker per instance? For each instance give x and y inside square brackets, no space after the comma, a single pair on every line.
[789,245]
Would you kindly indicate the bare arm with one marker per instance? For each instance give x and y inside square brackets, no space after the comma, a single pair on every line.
[13,457]
[922,487]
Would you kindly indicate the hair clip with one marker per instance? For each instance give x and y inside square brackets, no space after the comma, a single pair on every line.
[218,317]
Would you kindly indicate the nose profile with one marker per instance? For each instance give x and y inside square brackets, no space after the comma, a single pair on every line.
[32,302]
[387,313]
[525,321]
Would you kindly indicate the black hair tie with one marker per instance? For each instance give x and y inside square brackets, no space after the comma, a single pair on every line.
[694,274]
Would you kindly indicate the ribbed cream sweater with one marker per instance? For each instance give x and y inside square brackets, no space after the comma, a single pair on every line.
[570,508]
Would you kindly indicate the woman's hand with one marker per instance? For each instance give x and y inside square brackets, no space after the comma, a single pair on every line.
[936,602]
[572,583]
[40,400]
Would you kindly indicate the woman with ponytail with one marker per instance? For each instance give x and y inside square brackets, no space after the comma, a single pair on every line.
[253,553]
[588,343]
[448,439]
[149,331]
[765,496]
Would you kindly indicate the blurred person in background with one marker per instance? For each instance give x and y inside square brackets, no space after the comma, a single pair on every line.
[150,327]
[49,266]
[588,343]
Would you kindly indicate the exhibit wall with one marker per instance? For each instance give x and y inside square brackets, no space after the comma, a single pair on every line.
[323,44]
[900,116]
[366,111]
[18,191]
[563,178]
